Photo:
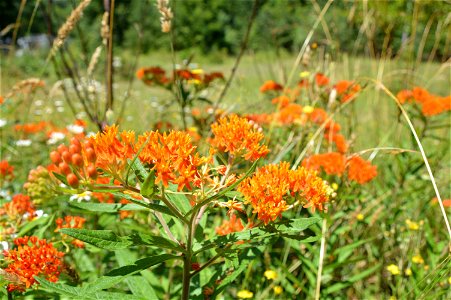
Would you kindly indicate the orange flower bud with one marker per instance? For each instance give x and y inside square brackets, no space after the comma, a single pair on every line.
[77,160]
[64,168]
[72,180]
[66,156]
[92,171]
[90,154]
[74,149]
[55,157]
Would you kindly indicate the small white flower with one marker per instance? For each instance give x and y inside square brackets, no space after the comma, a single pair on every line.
[2,123]
[40,213]
[59,103]
[23,143]
[38,102]
[55,137]
[86,196]
[60,109]
[4,245]
[5,194]
[89,134]
[75,129]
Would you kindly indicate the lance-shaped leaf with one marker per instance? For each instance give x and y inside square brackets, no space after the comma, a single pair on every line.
[106,239]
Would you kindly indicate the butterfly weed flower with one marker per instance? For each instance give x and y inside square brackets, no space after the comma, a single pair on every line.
[20,207]
[172,156]
[361,170]
[6,171]
[33,257]
[332,163]
[112,149]
[270,85]
[347,90]
[230,226]
[238,137]
[272,187]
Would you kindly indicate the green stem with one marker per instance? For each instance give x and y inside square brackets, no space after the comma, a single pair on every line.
[191,227]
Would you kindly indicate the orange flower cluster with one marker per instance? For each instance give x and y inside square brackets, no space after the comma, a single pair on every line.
[152,75]
[6,171]
[33,257]
[172,156]
[31,128]
[333,163]
[238,136]
[289,114]
[71,222]
[431,104]
[270,85]
[269,188]
[158,76]
[227,227]
[347,89]
[76,161]
[19,206]
[321,79]
[112,151]
[360,170]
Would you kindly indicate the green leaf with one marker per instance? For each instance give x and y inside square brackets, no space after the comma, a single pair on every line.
[140,265]
[105,239]
[289,229]
[151,206]
[148,188]
[180,201]
[60,178]
[117,275]
[364,274]
[81,293]
[138,285]
[35,223]
[106,207]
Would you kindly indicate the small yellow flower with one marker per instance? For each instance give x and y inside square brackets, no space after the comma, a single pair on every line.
[270,274]
[408,272]
[245,294]
[277,290]
[417,259]
[197,71]
[194,81]
[307,109]
[304,74]
[426,267]
[392,298]
[393,269]
[335,186]
[449,280]
[360,217]
[412,225]
[314,46]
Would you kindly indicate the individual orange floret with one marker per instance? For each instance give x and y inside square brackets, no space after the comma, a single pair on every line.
[333,163]
[260,119]
[269,188]
[270,85]
[347,89]
[6,171]
[321,79]
[238,137]
[405,96]
[172,156]
[33,257]
[20,206]
[360,170]
[227,227]
[435,105]
[112,149]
